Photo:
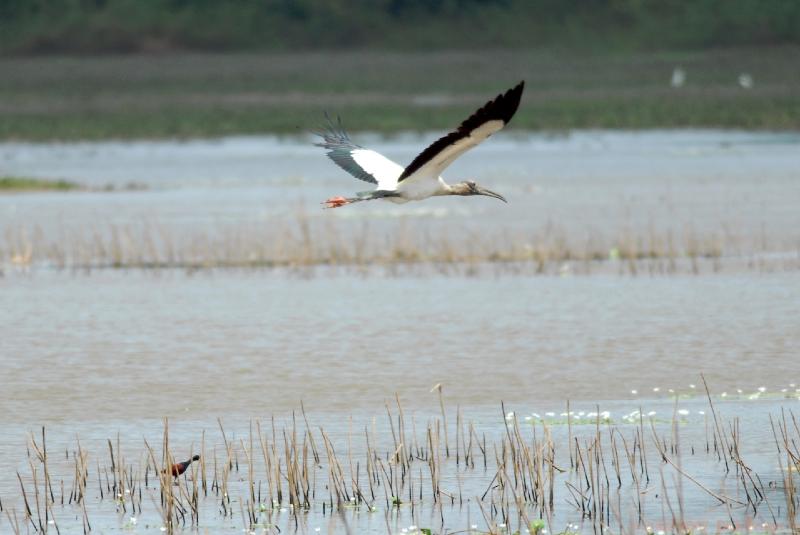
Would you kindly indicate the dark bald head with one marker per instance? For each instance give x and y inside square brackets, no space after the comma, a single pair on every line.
[470,187]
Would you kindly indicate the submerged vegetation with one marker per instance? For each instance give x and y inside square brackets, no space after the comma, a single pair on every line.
[438,473]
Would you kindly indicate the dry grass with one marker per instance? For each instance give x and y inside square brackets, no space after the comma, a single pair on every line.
[304,244]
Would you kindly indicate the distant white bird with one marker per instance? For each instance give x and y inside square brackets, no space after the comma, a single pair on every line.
[678,77]
[422,178]
[746,81]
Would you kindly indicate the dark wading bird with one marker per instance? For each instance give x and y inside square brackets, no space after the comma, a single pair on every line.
[179,468]
[422,178]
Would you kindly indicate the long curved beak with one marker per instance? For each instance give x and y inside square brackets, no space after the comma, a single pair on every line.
[490,193]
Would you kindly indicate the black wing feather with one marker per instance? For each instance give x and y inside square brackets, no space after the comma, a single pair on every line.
[340,149]
[501,108]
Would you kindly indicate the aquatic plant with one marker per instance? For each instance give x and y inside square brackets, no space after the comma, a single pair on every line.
[302,244]
[599,477]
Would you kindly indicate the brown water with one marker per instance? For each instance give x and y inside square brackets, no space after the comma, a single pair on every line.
[93,354]
[137,345]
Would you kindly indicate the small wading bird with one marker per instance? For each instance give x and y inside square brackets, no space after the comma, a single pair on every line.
[179,468]
[422,178]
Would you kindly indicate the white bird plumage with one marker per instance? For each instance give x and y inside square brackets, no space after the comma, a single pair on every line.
[422,177]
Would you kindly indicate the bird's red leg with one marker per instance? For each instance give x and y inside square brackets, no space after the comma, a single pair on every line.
[335,202]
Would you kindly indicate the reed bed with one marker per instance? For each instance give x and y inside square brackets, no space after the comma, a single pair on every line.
[446,474]
[306,243]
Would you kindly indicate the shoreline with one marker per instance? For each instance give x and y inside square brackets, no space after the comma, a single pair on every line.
[185,96]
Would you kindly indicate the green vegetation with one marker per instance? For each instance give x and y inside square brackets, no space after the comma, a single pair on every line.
[197,95]
[14,183]
[215,67]
[103,26]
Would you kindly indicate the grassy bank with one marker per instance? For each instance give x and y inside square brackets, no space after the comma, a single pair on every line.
[200,95]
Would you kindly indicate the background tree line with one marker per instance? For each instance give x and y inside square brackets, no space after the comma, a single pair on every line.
[113,26]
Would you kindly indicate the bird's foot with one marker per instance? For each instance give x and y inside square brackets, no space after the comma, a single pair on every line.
[336,202]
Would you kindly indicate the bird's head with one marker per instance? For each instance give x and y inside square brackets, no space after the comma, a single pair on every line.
[470,187]
[196,458]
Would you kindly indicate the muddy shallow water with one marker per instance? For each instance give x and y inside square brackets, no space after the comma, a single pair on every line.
[94,353]
[141,344]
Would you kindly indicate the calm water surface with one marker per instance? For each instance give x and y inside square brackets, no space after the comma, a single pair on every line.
[114,351]
[588,185]
[114,344]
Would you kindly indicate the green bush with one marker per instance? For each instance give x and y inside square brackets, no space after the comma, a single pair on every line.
[103,26]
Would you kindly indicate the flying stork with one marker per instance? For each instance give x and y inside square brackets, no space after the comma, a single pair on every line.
[422,178]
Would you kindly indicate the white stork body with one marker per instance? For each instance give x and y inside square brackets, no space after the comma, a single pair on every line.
[386,172]
[422,177]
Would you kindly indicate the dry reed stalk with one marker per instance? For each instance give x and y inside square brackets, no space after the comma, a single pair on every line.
[372,474]
[203,463]
[335,472]
[664,455]
[267,464]
[251,489]
[13,521]
[310,435]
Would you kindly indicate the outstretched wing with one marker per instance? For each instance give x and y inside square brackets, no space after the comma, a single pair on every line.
[364,164]
[493,116]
